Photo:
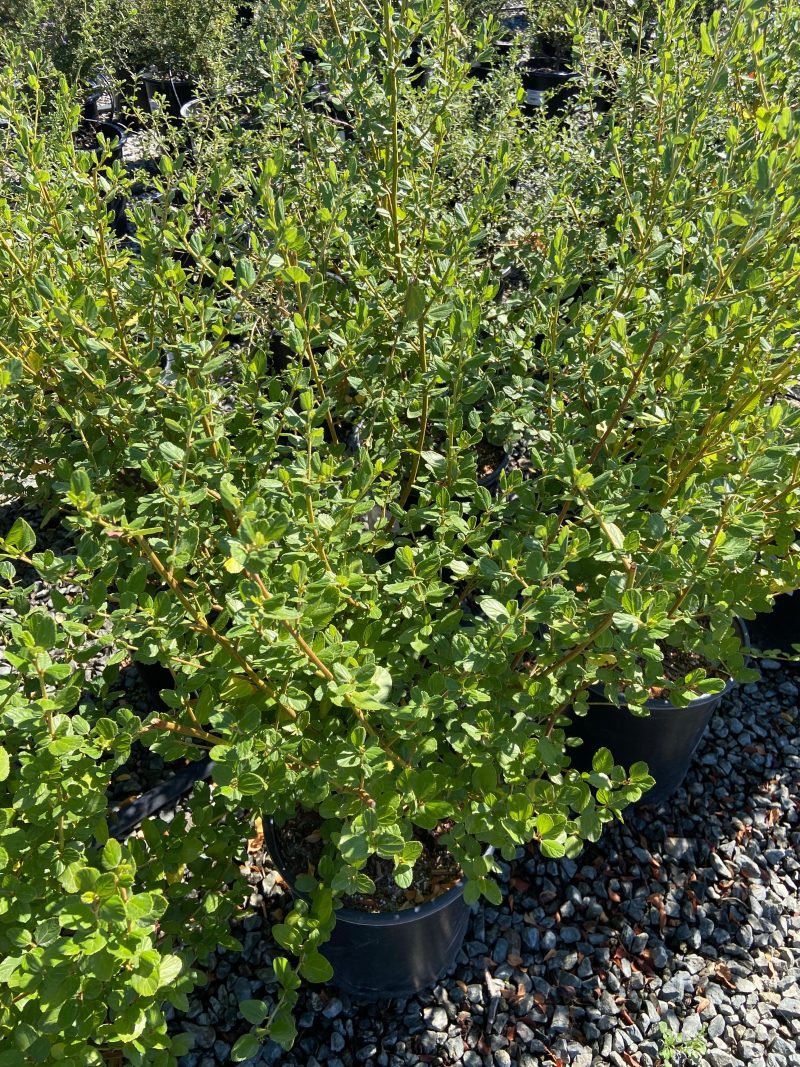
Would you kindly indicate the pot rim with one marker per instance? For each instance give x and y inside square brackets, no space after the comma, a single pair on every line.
[151,75]
[660,704]
[488,480]
[368,918]
[546,67]
[102,126]
[187,110]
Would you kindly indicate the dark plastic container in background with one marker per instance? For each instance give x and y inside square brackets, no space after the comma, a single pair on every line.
[113,133]
[394,954]
[491,481]
[547,87]
[779,628]
[414,60]
[169,93]
[192,109]
[128,817]
[100,106]
[666,739]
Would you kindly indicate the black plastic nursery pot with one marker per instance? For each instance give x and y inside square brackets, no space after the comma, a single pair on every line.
[167,93]
[484,69]
[779,628]
[491,481]
[155,676]
[394,954]
[547,86]
[305,53]
[192,109]
[201,112]
[162,796]
[321,103]
[87,139]
[666,739]
[100,106]
[414,60]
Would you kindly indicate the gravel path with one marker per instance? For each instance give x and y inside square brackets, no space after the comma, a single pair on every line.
[688,916]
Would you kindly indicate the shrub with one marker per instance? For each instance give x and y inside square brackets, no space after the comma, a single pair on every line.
[291,519]
[171,37]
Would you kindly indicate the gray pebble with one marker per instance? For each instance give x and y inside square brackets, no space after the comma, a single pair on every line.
[333,1008]
[719,1058]
[435,1019]
[789,1008]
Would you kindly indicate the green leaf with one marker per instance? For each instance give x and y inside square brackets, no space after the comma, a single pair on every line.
[250,784]
[112,854]
[282,1029]
[275,528]
[404,875]
[8,966]
[285,973]
[415,301]
[245,273]
[21,536]
[353,847]
[639,772]
[168,969]
[146,985]
[553,850]
[603,761]
[42,626]
[171,452]
[472,892]
[5,765]
[615,535]
[255,1011]
[491,890]
[705,40]
[47,931]
[145,906]
[435,462]
[112,910]
[245,1048]
[390,843]
[287,936]
[590,825]
[549,753]
[484,779]
[106,729]
[296,274]
[493,609]
[412,850]
[180,1044]
[315,968]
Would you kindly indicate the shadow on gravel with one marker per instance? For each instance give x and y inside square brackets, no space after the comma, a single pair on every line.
[689,913]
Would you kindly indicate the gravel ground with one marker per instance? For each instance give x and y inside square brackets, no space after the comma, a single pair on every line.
[687,916]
